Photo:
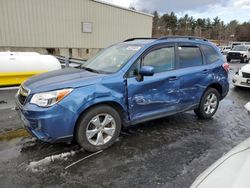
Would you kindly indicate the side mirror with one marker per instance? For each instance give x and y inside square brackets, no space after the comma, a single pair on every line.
[147,71]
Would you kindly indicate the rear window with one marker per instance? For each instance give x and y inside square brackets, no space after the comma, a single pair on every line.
[210,54]
[189,56]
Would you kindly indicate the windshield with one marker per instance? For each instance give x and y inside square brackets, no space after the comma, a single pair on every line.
[240,48]
[112,59]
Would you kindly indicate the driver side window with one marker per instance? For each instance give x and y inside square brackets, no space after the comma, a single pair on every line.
[162,59]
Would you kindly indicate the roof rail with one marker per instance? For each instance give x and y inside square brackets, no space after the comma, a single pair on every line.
[131,39]
[182,37]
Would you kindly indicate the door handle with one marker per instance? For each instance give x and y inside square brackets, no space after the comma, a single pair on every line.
[205,71]
[173,78]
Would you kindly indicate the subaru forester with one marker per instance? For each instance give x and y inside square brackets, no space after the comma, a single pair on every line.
[131,82]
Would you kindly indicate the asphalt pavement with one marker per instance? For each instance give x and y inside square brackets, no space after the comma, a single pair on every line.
[169,152]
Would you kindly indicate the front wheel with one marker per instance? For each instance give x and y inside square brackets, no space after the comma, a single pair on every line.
[209,104]
[244,60]
[98,128]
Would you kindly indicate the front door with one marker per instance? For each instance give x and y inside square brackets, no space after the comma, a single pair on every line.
[158,94]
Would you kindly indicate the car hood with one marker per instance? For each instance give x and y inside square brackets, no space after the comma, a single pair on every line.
[241,52]
[246,68]
[231,171]
[65,78]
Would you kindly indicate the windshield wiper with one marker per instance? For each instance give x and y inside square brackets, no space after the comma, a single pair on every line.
[91,70]
[95,71]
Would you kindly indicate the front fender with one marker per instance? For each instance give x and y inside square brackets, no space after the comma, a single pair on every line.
[82,98]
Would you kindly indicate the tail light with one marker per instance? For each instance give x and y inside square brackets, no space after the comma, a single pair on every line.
[226,67]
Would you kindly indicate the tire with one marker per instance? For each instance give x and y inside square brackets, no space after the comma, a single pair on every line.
[228,60]
[244,60]
[207,112]
[101,135]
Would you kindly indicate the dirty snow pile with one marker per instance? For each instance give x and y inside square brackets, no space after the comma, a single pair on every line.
[35,166]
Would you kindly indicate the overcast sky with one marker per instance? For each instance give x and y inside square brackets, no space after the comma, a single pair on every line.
[226,10]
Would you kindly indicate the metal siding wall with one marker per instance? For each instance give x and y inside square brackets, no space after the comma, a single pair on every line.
[57,23]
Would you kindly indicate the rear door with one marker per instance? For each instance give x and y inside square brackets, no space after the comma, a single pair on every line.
[194,74]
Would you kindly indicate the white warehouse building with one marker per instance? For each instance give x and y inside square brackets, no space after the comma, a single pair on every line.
[76,28]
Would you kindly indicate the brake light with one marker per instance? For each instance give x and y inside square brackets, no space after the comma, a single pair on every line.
[226,67]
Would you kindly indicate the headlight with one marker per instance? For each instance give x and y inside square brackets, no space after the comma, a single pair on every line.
[50,98]
[240,72]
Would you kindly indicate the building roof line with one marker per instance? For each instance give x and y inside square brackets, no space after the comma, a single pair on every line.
[120,7]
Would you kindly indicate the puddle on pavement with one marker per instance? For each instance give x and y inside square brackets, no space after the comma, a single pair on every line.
[9,149]
[33,155]
[10,144]
[12,134]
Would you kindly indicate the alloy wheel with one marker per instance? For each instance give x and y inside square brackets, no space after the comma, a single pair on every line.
[100,129]
[210,103]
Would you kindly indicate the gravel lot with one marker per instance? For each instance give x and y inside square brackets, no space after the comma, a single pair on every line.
[169,152]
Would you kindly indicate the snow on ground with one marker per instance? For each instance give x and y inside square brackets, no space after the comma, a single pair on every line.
[35,166]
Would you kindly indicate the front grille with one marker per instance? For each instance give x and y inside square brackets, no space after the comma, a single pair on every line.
[22,94]
[245,84]
[21,98]
[234,55]
[245,75]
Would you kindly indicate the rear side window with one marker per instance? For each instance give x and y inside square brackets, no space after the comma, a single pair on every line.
[189,56]
[210,54]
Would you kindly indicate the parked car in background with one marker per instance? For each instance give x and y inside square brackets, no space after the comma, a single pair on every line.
[233,44]
[242,77]
[247,106]
[239,52]
[128,83]
[225,49]
[230,171]
[16,67]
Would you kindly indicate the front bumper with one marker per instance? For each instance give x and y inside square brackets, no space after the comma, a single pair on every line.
[235,56]
[53,124]
[240,81]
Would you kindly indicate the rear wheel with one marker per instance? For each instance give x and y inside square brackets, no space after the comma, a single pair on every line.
[98,128]
[228,60]
[209,104]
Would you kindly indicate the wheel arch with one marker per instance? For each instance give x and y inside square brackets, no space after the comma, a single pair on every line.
[216,86]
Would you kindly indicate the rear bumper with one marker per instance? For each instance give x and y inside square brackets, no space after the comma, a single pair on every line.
[53,124]
[240,81]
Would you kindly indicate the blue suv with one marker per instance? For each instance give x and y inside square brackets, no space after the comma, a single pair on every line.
[128,83]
